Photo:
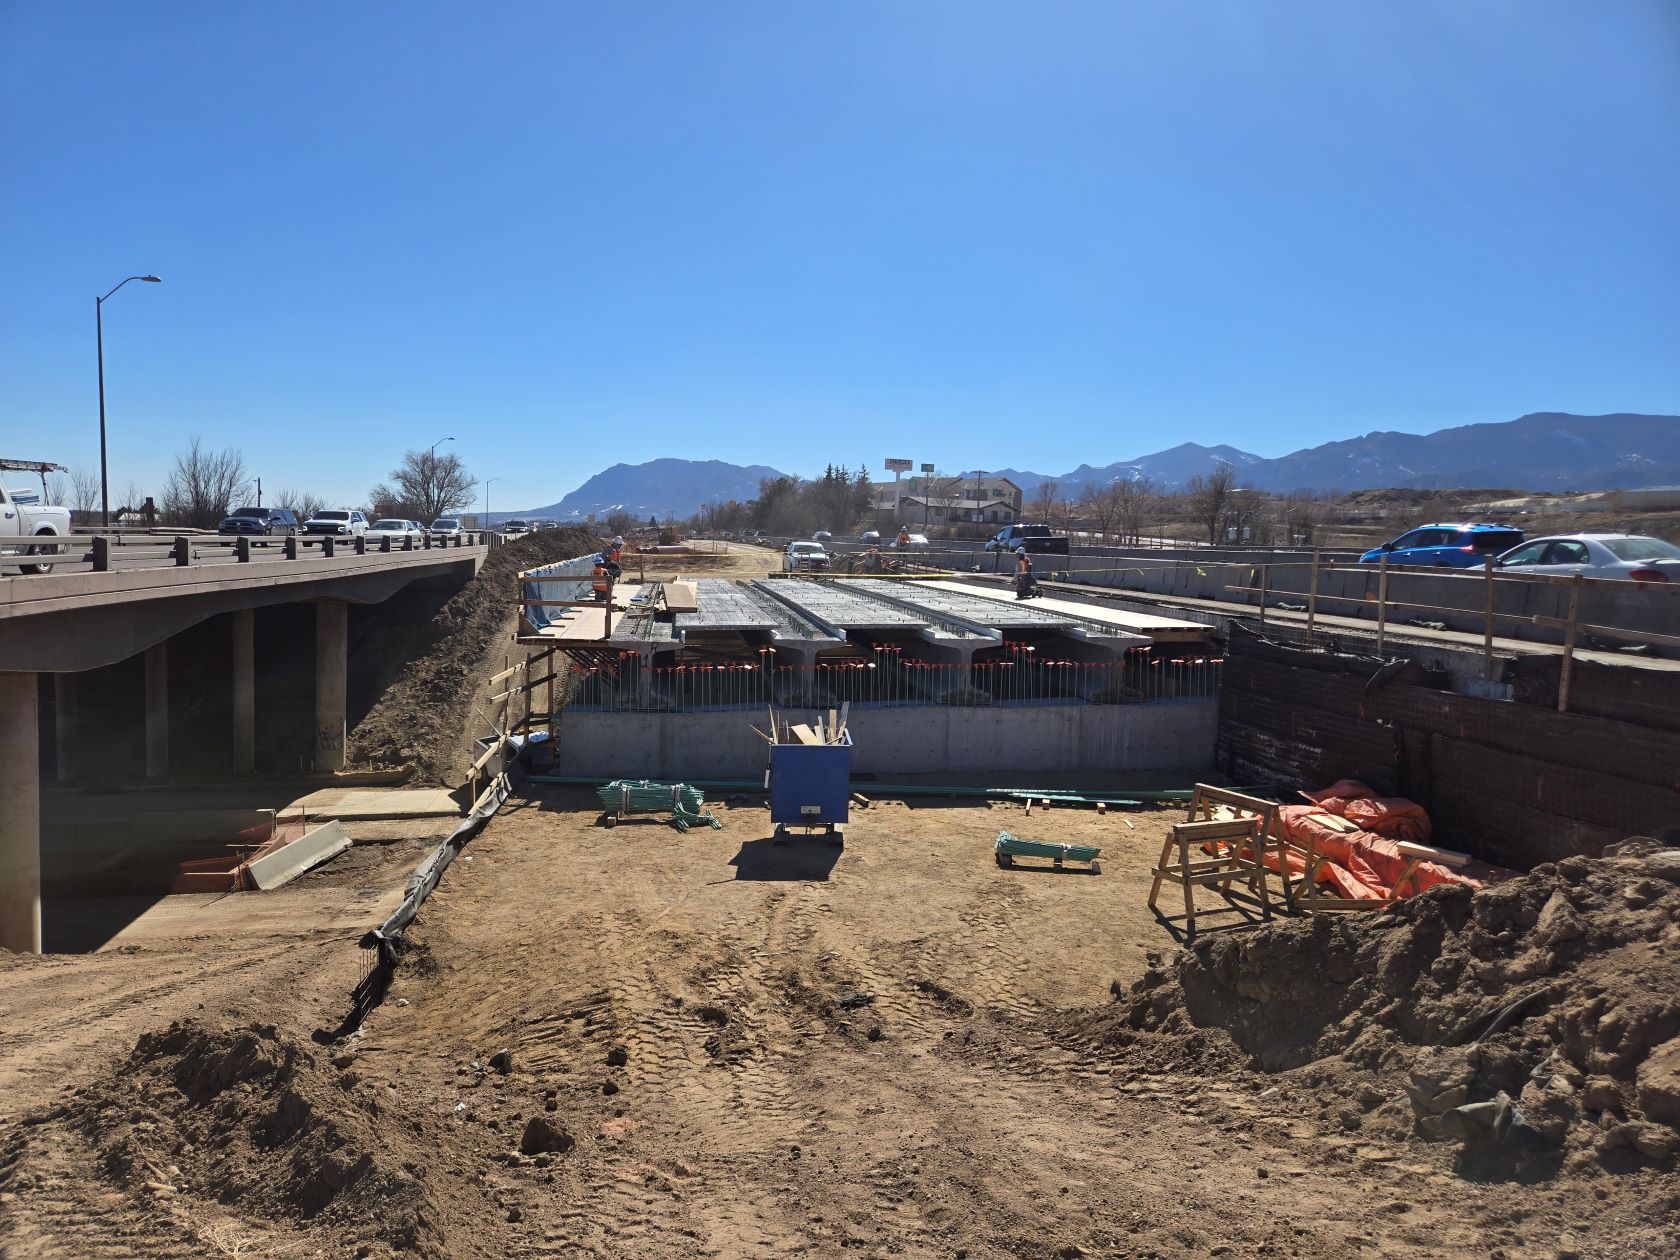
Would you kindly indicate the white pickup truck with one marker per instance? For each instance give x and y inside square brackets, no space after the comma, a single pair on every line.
[26,513]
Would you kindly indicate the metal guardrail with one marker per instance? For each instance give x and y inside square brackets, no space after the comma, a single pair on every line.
[104,553]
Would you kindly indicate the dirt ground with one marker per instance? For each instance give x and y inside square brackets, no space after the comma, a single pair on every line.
[714,1047]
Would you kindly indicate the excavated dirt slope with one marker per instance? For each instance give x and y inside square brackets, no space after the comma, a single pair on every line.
[1534,1024]
[419,720]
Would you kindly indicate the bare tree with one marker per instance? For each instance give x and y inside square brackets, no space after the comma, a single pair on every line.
[305,503]
[423,487]
[1045,500]
[1101,505]
[1137,498]
[203,484]
[1209,496]
[84,492]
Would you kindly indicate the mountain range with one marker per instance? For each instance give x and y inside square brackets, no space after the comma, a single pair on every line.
[1542,451]
[660,487]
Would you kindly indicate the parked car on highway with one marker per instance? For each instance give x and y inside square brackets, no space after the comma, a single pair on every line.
[336,521]
[1636,557]
[822,535]
[1446,546]
[804,557]
[262,522]
[870,536]
[1036,540]
[396,529]
[446,527]
[25,513]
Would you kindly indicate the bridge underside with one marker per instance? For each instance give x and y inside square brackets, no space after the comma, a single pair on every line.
[141,676]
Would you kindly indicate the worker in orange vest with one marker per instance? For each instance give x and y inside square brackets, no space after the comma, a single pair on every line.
[616,549]
[600,580]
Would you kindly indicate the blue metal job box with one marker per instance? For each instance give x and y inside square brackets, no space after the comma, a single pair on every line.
[810,784]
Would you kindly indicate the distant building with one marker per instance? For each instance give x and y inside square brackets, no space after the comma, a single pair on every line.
[942,511]
[982,498]
[1649,499]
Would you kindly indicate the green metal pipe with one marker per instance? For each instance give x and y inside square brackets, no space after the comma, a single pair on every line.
[925,789]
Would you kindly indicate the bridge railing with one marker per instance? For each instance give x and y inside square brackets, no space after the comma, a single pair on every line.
[103,553]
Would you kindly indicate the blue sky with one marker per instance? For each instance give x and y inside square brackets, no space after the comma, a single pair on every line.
[976,234]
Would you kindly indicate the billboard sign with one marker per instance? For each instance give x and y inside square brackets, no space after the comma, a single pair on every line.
[927,468]
[900,465]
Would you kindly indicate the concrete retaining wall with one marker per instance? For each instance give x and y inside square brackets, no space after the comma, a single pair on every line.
[1163,736]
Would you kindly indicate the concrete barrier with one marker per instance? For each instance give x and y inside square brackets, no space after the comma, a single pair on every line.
[981,741]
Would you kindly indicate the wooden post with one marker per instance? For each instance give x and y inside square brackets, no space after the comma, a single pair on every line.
[1382,601]
[1265,578]
[1569,644]
[1312,597]
[1487,617]
[552,669]
[525,686]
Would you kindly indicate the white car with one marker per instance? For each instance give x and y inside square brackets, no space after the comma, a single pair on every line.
[336,521]
[396,530]
[804,557]
[1636,557]
[447,527]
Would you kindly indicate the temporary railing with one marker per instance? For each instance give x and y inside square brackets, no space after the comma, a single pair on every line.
[1571,624]
[887,679]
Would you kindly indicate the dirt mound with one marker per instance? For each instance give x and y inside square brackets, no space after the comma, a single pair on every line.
[242,1114]
[419,720]
[1537,1021]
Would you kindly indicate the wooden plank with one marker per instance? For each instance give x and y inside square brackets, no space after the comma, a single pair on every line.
[682,596]
[1429,853]
[804,734]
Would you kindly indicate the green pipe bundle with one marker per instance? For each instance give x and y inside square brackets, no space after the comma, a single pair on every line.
[685,804]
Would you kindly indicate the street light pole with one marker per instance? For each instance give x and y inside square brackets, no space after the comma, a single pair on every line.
[487,482]
[99,341]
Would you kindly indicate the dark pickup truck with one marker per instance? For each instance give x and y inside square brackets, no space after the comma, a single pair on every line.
[1035,540]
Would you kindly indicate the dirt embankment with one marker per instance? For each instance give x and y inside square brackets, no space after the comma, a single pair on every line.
[422,718]
[1536,1023]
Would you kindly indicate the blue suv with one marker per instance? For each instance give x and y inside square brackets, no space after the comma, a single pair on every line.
[1446,546]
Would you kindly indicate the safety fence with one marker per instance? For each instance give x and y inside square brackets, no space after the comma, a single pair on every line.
[886,679]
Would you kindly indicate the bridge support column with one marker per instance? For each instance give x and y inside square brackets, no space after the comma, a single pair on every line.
[332,621]
[157,710]
[20,815]
[66,751]
[244,691]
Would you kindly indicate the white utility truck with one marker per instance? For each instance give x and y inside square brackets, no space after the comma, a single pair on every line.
[29,513]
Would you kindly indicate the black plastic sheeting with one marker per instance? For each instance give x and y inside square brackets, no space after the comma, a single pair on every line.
[383,939]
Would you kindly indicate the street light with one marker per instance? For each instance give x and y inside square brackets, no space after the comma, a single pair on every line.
[487,482]
[439,443]
[99,333]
